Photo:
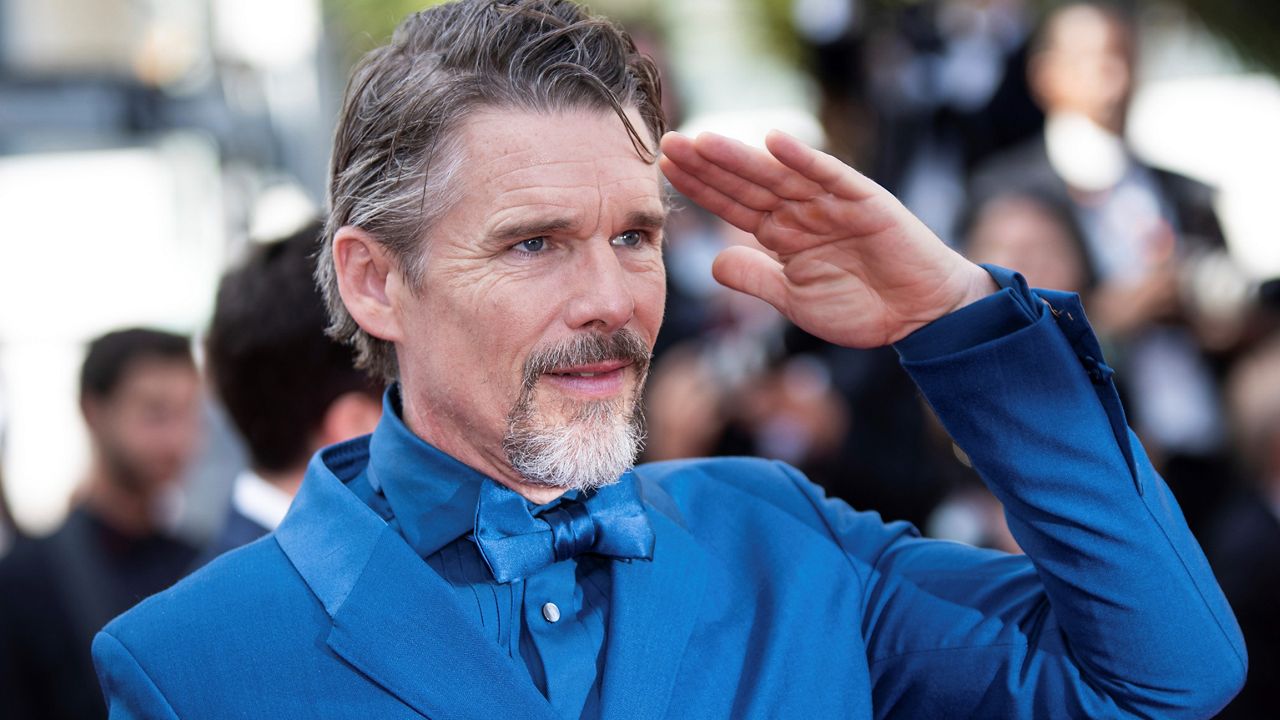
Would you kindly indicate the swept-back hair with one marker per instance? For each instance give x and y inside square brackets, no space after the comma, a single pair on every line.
[396,153]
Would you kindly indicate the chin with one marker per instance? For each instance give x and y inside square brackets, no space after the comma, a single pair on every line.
[592,449]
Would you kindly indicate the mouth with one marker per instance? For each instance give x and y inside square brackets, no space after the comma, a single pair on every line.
[591,370]
[594,380]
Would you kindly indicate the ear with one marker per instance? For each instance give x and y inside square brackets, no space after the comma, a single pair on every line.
[1040,79]
[91,410]
[350,415]
[366,272]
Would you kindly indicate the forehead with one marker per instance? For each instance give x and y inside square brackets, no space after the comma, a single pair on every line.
[573,161]
[1088,29]
[154,377]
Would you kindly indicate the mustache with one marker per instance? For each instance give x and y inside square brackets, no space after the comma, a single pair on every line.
[588,348]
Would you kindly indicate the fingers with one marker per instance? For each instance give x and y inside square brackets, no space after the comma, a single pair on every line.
[753,272]
[728,208]
[680,150]
[749,164]
[832,175]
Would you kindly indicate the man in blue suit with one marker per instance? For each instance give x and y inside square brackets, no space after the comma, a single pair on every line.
[494,246]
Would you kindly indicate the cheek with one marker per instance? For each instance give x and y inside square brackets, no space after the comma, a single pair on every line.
[486,337]
[651,300]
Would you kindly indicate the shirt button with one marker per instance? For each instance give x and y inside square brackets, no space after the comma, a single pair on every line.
[551,612]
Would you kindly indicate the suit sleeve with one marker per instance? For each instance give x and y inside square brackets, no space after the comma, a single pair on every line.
[130,693]
[1114,611]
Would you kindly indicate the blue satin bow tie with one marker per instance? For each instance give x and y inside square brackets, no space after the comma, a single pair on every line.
[516,544]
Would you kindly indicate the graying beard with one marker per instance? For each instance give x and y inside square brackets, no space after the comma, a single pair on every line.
[590,451]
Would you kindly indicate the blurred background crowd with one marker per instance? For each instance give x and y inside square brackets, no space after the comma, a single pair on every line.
[164,375]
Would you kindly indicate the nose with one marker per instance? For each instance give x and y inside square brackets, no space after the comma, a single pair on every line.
[601,294]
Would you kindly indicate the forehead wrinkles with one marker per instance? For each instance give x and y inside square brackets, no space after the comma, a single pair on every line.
[570,164]
[590,190]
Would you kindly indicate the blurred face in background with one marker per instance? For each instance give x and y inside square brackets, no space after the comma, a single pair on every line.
[148,428]
[1022,234]
[1085,66]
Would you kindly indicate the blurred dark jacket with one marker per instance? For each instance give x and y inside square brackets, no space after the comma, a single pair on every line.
[55,593]
[1244,549]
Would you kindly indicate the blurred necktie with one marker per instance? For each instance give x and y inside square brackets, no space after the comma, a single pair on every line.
[610,521]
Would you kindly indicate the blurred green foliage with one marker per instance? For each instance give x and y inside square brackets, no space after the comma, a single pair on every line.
[362,25]
[1252,27]
[365,24]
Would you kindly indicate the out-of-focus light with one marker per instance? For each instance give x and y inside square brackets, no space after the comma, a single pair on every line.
[94,241]
[1085,155]
[165,54]
[823,21]
[274,34]
[750,126]
[279,211]
[67,37]
[1221,130]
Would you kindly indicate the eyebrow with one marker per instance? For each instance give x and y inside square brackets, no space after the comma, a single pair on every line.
[532,229]
[641,219]
[647,220]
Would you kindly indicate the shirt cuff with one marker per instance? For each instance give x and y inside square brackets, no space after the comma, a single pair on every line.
[1011,309]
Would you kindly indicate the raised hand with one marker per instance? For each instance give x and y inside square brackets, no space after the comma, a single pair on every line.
[847,262]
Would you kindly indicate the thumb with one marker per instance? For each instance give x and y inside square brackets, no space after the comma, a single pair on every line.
[753,272]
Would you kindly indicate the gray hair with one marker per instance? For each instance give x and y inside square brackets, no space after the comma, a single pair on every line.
[396,152]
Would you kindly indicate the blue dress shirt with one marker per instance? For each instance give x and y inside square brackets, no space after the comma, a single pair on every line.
[551,622]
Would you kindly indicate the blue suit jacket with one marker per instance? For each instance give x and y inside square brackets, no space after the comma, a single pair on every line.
[763,598]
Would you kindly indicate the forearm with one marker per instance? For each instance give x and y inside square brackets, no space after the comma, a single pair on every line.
[1128,585]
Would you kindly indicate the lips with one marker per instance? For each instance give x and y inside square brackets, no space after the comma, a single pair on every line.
[591,370]
[596,381]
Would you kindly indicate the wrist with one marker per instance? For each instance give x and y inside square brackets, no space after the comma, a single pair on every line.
[978,285]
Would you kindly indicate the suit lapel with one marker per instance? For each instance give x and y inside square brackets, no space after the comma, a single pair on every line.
[404,628]
[393,618]
[653,609]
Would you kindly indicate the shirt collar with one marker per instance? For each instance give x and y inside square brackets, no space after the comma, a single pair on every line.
[432,495]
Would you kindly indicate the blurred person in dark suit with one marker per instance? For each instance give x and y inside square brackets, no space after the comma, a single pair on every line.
[1244,541]
[289,389]
[1080,69]
[1144,231]
[140,397]
[8,528]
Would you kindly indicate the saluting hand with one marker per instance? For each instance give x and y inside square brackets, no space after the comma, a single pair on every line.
[847,262]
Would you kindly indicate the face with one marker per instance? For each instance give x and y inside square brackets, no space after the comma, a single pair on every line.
[1019,233]
[149,428]
[524,348]
[1088,67]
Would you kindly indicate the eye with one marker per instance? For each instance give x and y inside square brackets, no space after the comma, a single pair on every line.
[629,238]
[532,245]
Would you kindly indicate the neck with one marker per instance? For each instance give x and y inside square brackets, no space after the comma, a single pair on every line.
[489,462]
[536,494]
[127,511]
